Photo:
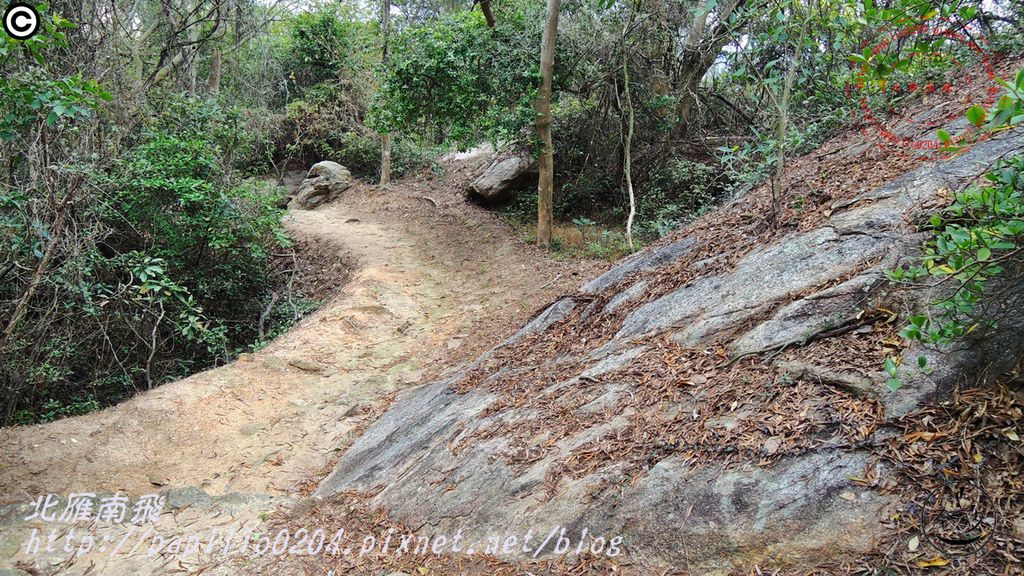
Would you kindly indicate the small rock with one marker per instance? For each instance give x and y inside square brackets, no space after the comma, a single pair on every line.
[187,497]
[307,365]
[855,384]
[275,363]
[1018,528]
[772,445]
[454,343]
[245,357]
[848,496]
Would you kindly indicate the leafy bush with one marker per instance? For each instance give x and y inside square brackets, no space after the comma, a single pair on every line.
[459,81]
[215,240]
[314,135]
[34,95]
[678,191]
[160,271]
[326,46]
[975,245]
[242,137]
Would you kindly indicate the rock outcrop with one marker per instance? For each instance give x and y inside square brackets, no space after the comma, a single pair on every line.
[709,408]
[502,176]
[325,181]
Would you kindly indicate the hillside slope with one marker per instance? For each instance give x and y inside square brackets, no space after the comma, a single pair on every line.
[708,399]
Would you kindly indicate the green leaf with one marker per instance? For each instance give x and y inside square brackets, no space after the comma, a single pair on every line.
[893,384]
[944,136]
[922,361]
[890,366]
[984,254]
[976,115]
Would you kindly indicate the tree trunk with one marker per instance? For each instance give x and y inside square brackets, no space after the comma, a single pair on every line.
[385,139]
[545,184]
[780,160]
[627,146]
[190,62]
[216,60]
[485,7]
[385,159]
[699,51]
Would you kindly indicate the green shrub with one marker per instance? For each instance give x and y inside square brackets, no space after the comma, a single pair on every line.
[973,254]
[215,240]
[456,81]
[241,137]
[678,191]
[160,270]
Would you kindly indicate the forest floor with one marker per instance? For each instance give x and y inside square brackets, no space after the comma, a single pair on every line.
[433,283]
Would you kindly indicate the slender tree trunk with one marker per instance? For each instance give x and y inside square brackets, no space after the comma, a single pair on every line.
[546,182]
[698,52]
[780,160]
[385,159]
[190,62]
[385,139]
[216,56]
[627,153]
[485,7]
[216,60]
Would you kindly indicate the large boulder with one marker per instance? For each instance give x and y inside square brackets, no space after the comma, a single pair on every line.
[709,407]
[324,182]
[503,176]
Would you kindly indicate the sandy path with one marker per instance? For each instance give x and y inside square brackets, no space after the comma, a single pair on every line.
[431,286]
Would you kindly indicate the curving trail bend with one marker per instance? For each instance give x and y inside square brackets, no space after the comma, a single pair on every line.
[432,284]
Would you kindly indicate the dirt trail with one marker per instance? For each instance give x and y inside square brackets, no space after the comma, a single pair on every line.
[434,282]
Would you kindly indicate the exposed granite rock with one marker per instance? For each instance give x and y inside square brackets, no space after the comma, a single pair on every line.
[799,511]
[503,176]
[325,181]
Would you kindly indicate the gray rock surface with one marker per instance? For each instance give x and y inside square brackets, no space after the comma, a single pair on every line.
[502,176]
[324,182]
[855,384]
[639,262]
[801,510]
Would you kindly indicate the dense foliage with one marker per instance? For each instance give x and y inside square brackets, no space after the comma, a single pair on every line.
[973,259]
[456,81]
[127,260]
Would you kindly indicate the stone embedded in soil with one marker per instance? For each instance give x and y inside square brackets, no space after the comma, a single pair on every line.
[855,384]
[502,177]
[307,365]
